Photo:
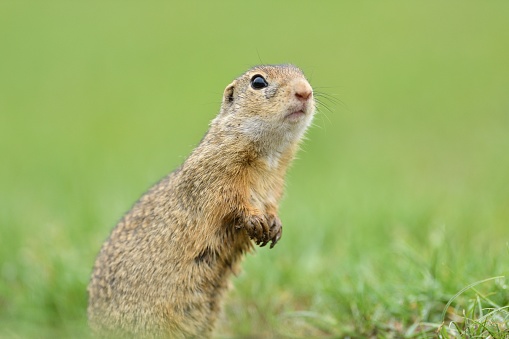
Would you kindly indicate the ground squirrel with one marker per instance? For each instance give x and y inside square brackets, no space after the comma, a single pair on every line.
[166,265]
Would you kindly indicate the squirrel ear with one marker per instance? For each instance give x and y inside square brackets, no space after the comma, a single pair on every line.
[228,93]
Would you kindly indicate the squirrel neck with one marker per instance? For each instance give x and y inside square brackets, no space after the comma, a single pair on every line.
[239,151]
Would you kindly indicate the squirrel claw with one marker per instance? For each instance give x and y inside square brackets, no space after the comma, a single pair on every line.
[278,231]
[264,229]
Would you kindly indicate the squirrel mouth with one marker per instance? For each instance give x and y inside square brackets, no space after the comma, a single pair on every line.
[295,115]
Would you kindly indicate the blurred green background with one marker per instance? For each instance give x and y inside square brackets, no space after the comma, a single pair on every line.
[399,198]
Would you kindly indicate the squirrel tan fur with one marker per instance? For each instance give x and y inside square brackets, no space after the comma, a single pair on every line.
[166,265]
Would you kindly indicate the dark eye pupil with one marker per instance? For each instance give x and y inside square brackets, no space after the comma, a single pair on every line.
[258,82]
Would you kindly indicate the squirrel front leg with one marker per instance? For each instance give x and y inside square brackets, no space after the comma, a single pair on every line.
[261,223]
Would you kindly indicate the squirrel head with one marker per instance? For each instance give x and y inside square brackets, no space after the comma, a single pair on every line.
[271,105]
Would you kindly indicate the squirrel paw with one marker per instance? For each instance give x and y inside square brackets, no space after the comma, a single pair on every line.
[263,229]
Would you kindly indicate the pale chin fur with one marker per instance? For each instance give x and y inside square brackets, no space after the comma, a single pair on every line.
[289,129]
[276,136]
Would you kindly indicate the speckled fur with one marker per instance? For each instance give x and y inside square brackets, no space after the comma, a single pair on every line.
[166,265]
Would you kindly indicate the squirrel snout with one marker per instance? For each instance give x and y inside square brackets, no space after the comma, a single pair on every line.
[302,90]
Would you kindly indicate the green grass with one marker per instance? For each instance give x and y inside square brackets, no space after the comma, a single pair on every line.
[397,211]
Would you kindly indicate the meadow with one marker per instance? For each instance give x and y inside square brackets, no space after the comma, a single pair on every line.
[396,213]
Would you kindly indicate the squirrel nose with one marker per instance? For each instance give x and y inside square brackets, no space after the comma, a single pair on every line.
[303,90]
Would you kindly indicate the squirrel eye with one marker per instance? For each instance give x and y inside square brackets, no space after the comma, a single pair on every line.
[258,82]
